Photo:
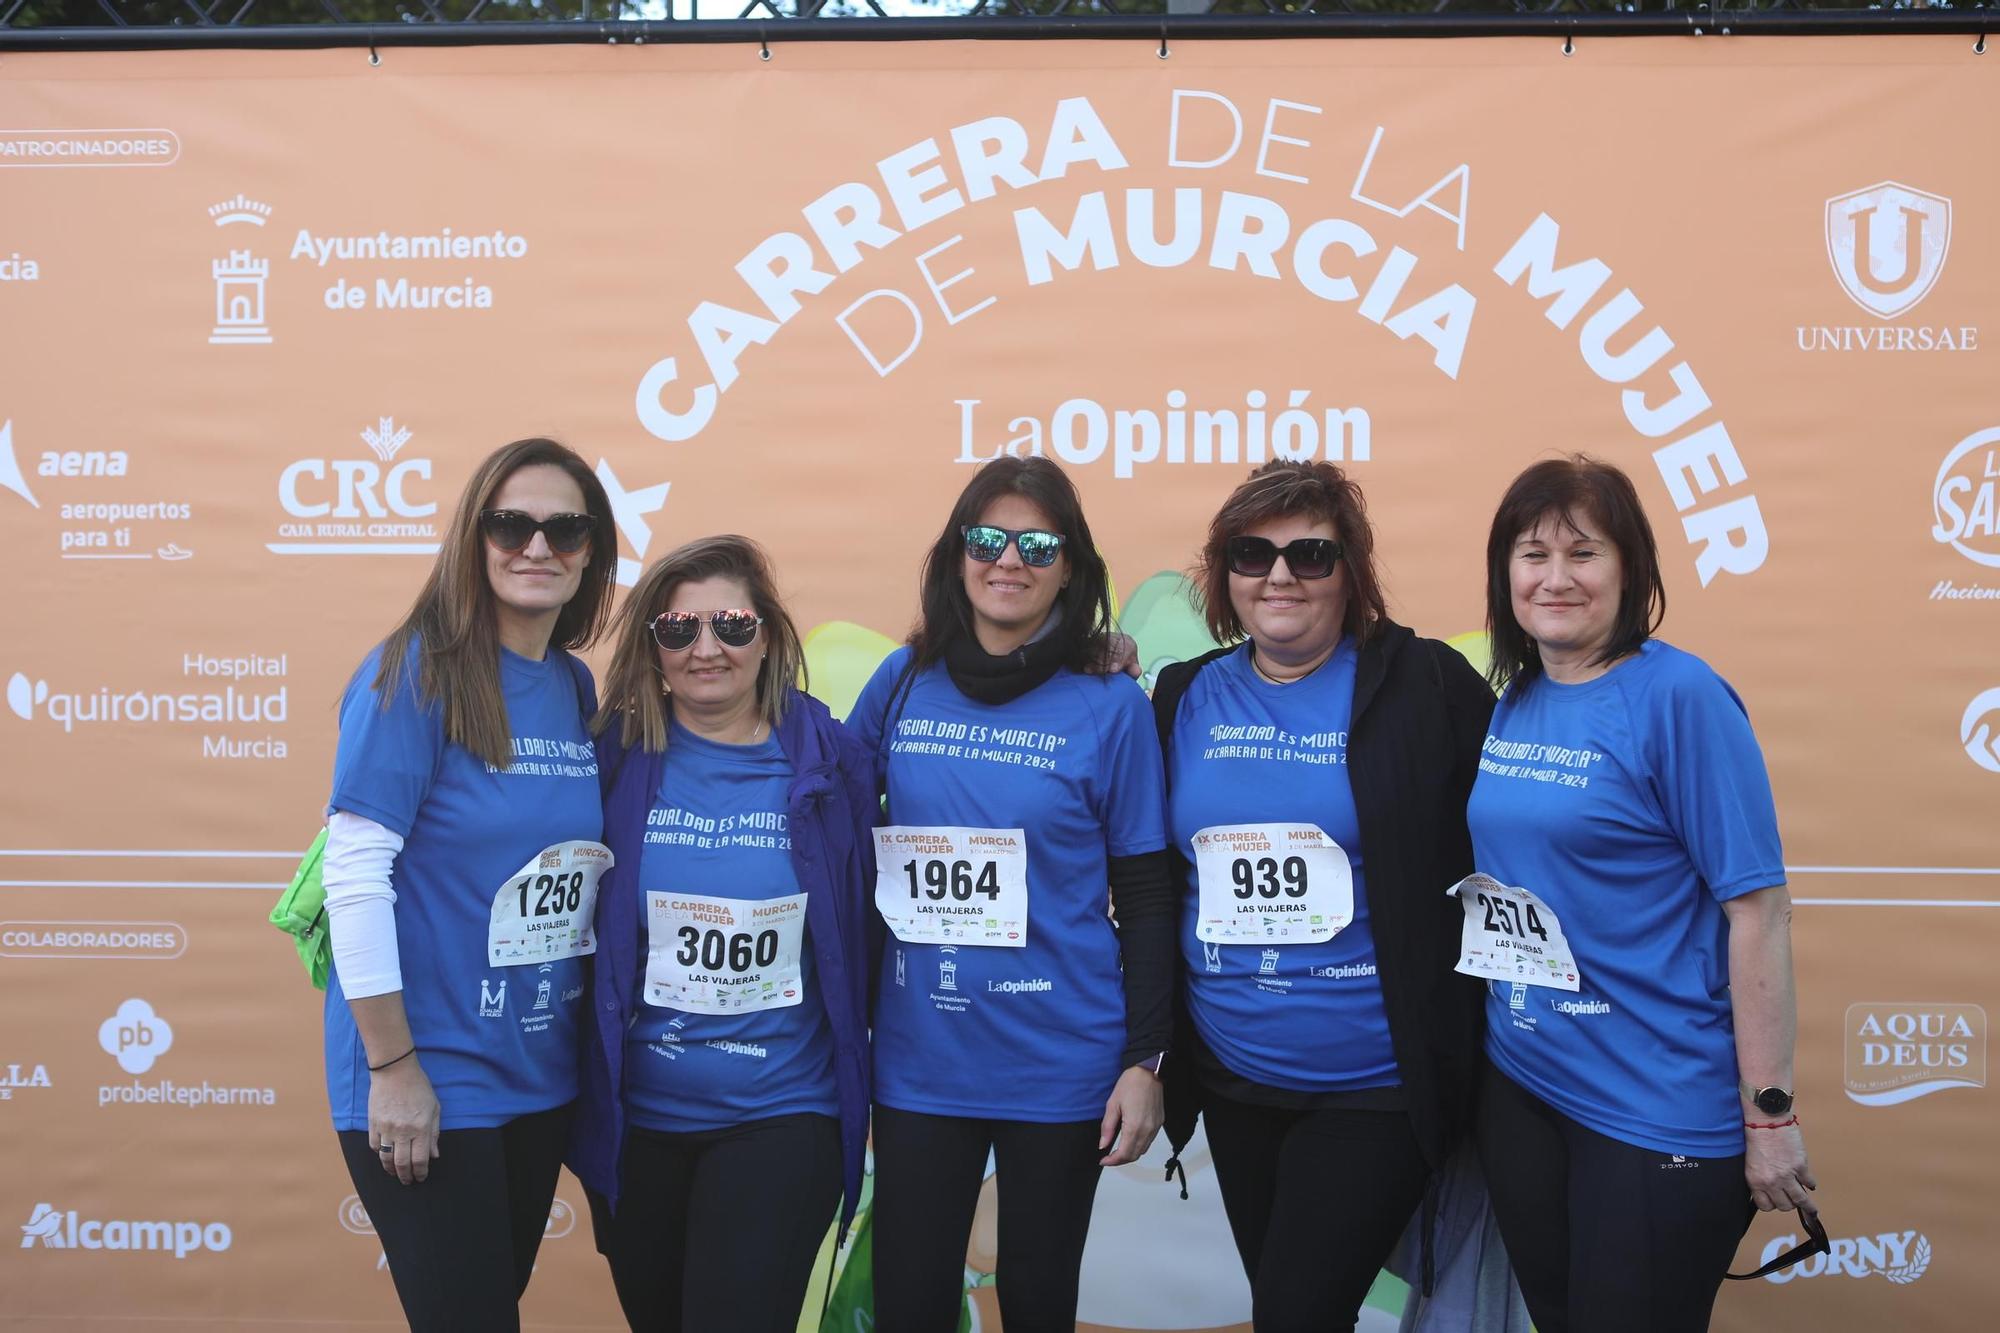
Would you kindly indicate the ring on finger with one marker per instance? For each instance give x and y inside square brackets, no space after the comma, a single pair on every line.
[387,1149]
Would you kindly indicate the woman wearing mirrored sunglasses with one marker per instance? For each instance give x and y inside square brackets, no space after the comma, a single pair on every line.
[725,1104]
[1023,795]
[1639,1096]
[1317,771]
[461,860]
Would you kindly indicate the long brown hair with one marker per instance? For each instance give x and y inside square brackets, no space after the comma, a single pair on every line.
[1285,489]
[454,624]
[634,685]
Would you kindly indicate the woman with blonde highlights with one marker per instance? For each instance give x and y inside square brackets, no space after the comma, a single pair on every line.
[461,865]
[726,1081]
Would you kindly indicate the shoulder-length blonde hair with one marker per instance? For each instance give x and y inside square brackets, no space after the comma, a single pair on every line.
[635,688]
[454,626]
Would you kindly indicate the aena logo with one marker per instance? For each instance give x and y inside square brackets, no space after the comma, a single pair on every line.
[135,1036]
[1979,730]
[1900,1256]
[10,470]
[1965,499]
[59,1229]
[1888,245]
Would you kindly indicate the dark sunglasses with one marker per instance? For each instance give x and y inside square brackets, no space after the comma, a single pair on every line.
[986,544]
[676,631]
[1814,1243]
[1307,558]
[511,530]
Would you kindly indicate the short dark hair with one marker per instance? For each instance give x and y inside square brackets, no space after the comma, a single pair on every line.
[1286,489]
[945,612]
[1563,488]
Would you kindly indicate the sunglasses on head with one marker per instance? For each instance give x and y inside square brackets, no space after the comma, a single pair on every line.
[676,631]
[511,530]
[986,543]
[1307,557]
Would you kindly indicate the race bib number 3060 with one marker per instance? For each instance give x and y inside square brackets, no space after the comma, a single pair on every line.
[724,955]
[953,885]
[1271,884]
[1511,935]
[545,909]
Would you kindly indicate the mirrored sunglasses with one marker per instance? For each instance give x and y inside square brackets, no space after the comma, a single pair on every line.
[676,631]
[986,543]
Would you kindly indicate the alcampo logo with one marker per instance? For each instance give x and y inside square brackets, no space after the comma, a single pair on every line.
[1965,499]
[1888,244]
[58,1229]
[1899,1052]
[1979,730]
[1900,1256]
[136,1036]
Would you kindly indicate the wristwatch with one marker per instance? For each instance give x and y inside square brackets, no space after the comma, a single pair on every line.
[1771,1101]
[1151,1064]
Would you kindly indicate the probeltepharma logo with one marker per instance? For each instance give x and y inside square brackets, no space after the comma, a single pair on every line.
[1887,244]
[375,505]
[235,705]
[137,1036]
[1965,511]
[1899,1052]
[55,1228]
[1900,1256]
[1979,730]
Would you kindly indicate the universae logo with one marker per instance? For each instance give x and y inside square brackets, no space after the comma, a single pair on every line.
[1887,243]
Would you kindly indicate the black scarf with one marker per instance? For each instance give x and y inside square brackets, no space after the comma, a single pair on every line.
[986,679]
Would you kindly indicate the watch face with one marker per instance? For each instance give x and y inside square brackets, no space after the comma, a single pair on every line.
[1773,1101]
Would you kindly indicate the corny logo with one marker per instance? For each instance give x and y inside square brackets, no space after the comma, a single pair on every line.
[1888,244]
[1900,1256]
[1899,1052]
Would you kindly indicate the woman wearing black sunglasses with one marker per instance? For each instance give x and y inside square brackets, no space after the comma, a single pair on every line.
[1317,775]
[1020,789]
[461,863]
[725,1099]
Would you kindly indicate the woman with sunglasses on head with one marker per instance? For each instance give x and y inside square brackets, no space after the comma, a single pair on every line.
[1638,1099]
[461,864]
[1024,797]
[1317,773]
[725,1102]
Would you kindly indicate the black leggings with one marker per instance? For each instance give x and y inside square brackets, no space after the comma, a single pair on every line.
[718,1229]
[461,1244]
[1603,1234]
[928,1171]
[1316,1201]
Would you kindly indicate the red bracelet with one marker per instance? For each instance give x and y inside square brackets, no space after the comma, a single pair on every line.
[1775,1124]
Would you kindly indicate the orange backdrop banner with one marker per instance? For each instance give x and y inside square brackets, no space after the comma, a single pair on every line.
[262,312]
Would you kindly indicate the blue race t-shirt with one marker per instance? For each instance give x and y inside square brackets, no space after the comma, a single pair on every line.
[1034,1032]
[496,1042]
[719,829]
[1304,1016]
[1634,805]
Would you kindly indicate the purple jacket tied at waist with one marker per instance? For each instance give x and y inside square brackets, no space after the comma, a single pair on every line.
[832,808]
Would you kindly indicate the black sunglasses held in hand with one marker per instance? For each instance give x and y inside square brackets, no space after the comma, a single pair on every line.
[1307,557]
[676,631]
[1814,1243]
[511,530]
[986,543]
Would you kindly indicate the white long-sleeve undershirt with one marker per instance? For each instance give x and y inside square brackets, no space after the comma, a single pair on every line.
[360,904]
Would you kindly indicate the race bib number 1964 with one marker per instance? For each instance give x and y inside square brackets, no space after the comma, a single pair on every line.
[953,885]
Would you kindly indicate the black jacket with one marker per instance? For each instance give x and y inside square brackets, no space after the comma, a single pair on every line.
[1413,744]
